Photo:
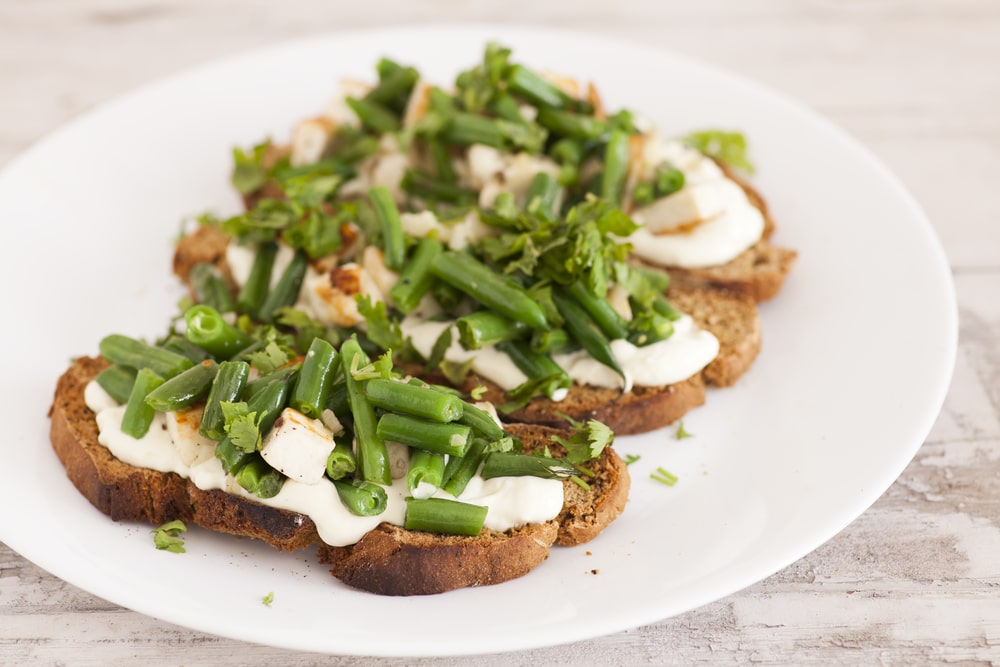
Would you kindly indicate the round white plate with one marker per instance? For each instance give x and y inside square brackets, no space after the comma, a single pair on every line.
[858,353]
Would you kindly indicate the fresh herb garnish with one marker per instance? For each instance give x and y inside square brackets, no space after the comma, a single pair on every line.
[268,599]
[587,440]
[681,432]
[727,147]
[165,537]
[242,426]
[631,458]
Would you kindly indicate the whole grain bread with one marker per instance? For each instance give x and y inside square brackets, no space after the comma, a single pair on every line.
[388,560]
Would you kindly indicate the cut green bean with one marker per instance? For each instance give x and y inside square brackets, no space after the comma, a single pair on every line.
[138,414]
[207,329]
[210,287]
[394,88]
[663,307]
[374,116]
[415,400]
[315,381]
[393,242]
[425,186]
[552,341]
[260,479]
[117,381]
[181,345]
[338,398]
[373,458]
[460,469]
[510,464]
[232,457]
[529,85]
[284,374]
[616,161]
[129,352]
[537,367]
[450,517]
[441,158]
[341,461]
[543,195]
[227,387]
[466,129]
[600,310]
[184,389]
[484,328]
[425,468]
[415,279]
[468,274]
[270,401]
[254,291]
[481,422]
[567,124]
[447,296]
[580,327]
[362,498]
[286,290]
[450,439]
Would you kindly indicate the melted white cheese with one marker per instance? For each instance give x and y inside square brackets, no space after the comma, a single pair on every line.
[512,501]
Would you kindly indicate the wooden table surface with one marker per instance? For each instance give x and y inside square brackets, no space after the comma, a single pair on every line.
[915,579]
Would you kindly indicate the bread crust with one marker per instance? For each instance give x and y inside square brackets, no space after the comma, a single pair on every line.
[388,560]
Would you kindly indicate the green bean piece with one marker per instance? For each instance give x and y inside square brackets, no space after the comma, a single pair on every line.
[393,241]
[373,458]
[481,422]
[232,457]
[568,151]
[386,66]
[415,279]
[567,124]
[374,116]
[484,328]
[543,194]
[260,479]
[423,185]
[425,468]
[184,389]
[394,88]
[441,158]
[601,312]
[505,106]
[552,341]
[181,345]
[207,329]
[210,287]
[227,387]
[580,327]
[362,498]
[338,399]
[510,464]
[616,159]
[315,381]
[460,469]
[286,291]
[537,367]
[466,129]
[529,85]
[667,180]
[138,414]
[341,462]
[471,276]
[663,307]
[284,374]
[414,400]
[450,517]
[254,291]
[643,194]
[117,381]
[129,352]
[443,438]
[658,279]
[270,401]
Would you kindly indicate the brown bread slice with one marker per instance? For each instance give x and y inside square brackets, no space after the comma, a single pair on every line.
[383,561]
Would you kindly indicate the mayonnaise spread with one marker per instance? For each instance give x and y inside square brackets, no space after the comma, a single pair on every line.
[512,501]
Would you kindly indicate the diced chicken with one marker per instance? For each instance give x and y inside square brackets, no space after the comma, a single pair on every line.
[416,106]
[567,84]
[485,164]
[310,139]
[388,171]
[298,446]
[192,447]
[329,419]
[618,298]
[399,459]
[595,100]
[420,224]
[684,209]
[373,261]
[469,230]
[330,297]
[338,110]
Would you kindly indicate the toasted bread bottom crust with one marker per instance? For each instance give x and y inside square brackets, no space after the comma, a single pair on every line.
[388,560]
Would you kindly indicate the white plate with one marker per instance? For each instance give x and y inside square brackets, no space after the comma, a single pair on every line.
[858,353]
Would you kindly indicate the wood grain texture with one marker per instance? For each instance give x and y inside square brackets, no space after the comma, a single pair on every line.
[914,580]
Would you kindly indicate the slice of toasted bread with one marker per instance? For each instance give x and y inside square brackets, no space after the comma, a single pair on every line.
[384,561]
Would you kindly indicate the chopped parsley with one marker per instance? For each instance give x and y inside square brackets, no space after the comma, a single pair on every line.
[165,537]
[268,599]
[631,458]
[681,433]
[587,441]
